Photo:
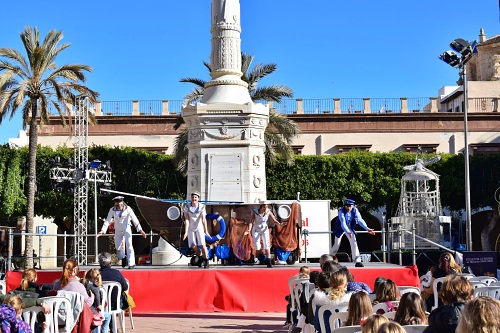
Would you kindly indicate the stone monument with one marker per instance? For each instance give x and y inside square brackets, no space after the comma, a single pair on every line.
[226,129]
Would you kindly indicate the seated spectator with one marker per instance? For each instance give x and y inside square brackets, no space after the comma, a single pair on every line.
[372,323]
[387,292]
[330,267]
[304,272]
[92,281]
[111,274]
[360,307]
[411,310]
[10,316]
[480,315]
[324,258]
[28,281]
[322,286]
[336,296]
[455,292]
[446,266]
[391,327]
[70,281]
[378,281]
[354,285]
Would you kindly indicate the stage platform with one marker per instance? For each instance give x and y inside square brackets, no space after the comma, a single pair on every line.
[163,289]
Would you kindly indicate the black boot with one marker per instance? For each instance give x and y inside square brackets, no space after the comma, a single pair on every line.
[268,262]
[200,261]
[125,262]
[206,263]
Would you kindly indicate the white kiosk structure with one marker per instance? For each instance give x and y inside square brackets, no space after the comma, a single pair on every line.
[420,208]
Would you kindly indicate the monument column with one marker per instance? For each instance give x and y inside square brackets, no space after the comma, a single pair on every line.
[226,129]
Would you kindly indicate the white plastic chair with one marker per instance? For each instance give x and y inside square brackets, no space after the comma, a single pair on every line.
[493,292]
[389,315]
[407,289]
[414,328]
[348,329]
[3,287]
[476,285]
[59,305]
[292,282]
[30,315]
[435,288]
[336,319]
[114,287]
[379,307]
[130,309]
[484,279]
[468,276]
[495,284]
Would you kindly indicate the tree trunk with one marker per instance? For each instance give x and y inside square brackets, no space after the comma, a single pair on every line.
[487,231]
[30,201]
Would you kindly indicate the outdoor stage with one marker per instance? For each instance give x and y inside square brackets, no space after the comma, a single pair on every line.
[159,289]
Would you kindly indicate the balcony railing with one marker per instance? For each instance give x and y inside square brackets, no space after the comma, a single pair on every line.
[306,106]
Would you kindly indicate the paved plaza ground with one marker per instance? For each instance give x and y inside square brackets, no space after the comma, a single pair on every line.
[208,322]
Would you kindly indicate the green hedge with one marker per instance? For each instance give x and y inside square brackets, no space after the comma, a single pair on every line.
[373,179]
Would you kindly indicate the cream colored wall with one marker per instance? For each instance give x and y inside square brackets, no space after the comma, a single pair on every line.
[482,89]
[48,243]
[137,141]
[448,142]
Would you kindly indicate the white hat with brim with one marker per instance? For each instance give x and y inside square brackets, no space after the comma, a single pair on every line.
[118,198]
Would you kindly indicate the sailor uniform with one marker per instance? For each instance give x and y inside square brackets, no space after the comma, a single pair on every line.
[123,219]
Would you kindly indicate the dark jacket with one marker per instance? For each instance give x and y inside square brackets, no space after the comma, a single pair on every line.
[445,318]
[93,289]
[111,274]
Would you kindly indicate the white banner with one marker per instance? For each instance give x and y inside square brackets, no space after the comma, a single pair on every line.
[316,218]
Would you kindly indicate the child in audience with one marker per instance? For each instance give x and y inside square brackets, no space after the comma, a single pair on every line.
[455,292]
[378,281]
[387,292]
[336,296]
[304,272]
[480,315]
[355,285]
[10,316]
[360,307]
[411,310]
[92,282]
[426,281]
[372,323]
[391,327]
[28,281]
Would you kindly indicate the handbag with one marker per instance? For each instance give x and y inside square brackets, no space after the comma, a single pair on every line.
[97,319]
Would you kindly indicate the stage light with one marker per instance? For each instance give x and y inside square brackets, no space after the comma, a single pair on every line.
[59,186]
[460,45]
[95,164]
[451,58]
[70,187]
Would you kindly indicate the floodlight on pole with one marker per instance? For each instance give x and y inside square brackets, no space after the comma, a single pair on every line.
[466,50]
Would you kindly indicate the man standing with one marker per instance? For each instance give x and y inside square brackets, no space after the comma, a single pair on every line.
[346,222]
[123,217]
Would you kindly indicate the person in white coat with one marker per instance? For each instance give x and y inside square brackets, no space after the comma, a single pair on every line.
[123,217]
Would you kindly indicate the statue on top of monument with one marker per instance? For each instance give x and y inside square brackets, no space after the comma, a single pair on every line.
[226,11]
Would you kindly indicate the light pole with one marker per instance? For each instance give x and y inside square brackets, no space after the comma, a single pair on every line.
[98,173]
[466,50]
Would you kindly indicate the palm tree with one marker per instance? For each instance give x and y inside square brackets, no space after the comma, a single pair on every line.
[279,133]
[36,84]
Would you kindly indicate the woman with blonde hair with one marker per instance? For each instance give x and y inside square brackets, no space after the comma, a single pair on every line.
[391,327]
[335,296]
[360,307]
[480,315]
[70,281]
[411,310]
[372,323]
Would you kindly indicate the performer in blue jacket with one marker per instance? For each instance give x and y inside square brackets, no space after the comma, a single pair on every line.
[347,220]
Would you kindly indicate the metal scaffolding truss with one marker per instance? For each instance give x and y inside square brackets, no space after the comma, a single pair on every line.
[82,107]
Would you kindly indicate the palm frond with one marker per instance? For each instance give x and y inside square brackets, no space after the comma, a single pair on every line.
[193,80]
[181,151]
[179,121]
[273,93]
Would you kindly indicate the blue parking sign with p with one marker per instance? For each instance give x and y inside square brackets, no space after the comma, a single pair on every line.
[41,229]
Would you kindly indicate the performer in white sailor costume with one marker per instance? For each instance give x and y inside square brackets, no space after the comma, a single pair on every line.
[259,227]
[196,228]
[123,217]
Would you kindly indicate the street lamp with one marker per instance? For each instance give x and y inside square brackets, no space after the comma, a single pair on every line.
[466,50]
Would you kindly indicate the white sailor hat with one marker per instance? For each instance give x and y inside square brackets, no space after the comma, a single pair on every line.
[196,193]
[118,198]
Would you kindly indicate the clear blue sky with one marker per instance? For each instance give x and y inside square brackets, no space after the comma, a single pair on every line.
[323,48]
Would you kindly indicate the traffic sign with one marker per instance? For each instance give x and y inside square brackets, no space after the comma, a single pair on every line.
[41,229]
